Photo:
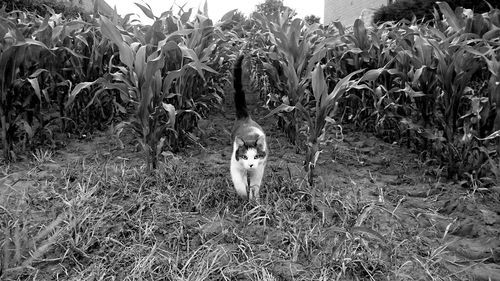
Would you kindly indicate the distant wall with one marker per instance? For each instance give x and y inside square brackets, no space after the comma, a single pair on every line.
[346,11]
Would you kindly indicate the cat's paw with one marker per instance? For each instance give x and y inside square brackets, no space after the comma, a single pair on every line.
[253,193]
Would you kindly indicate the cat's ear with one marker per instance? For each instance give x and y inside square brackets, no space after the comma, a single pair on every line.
[261,141]
[238,141]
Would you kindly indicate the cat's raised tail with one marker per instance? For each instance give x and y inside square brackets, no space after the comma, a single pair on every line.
[239,95]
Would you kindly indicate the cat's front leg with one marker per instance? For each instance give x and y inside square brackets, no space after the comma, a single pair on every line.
[255,183]
[240,181]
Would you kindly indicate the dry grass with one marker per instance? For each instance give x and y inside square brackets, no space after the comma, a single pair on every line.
[97,220]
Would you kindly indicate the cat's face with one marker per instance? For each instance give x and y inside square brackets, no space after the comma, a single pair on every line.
[250,155]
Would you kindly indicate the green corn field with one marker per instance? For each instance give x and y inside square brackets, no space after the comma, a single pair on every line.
[384,140]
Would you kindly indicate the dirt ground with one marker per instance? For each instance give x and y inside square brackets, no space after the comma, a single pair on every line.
[371,194]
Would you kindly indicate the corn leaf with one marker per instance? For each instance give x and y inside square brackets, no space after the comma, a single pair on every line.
[110,31]
[29,42]
[10,60]
[340,27]
[150,88]
[305,113]
[140,62]
[319,85]
[493,135]
[56,33]
[171,76]
[373,74]
[153,65]
[36,87]
[27,128]
[228,16]
[342,86]
[146,10]
[73,53]
[281,108]
[205,8]
[33,80]
[170,109]
[38,72]
[196,64]
[186,15]
[410,92]
[455,23]
[360,34]
[417,74]
[106,85]
[78,88]
[492,34]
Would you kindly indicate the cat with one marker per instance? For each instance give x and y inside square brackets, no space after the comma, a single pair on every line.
[249,156]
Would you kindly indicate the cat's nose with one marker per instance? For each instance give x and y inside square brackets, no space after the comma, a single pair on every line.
[251,165]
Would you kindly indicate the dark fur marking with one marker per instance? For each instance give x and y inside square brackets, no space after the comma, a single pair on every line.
[239,95]
[242,149]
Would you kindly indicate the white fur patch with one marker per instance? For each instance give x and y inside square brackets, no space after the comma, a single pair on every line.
[248,169]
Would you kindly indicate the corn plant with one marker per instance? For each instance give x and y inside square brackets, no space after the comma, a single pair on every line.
[455,67]
[360,50]
[423,78]
[17,56]
[196,47]
[73,62]
[454,71]
[141,73]
[491,60]
[325,102]
[388,102]
[161,78]
[296,45]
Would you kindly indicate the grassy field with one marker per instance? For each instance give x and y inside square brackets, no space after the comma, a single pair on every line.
[89,211]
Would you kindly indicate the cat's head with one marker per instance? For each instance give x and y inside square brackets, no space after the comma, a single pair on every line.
[250,154]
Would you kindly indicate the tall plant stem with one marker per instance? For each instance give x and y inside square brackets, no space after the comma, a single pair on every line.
[310,161]
[5,142]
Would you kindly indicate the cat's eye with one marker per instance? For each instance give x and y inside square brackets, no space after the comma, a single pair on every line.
[244,157]
[256,157]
